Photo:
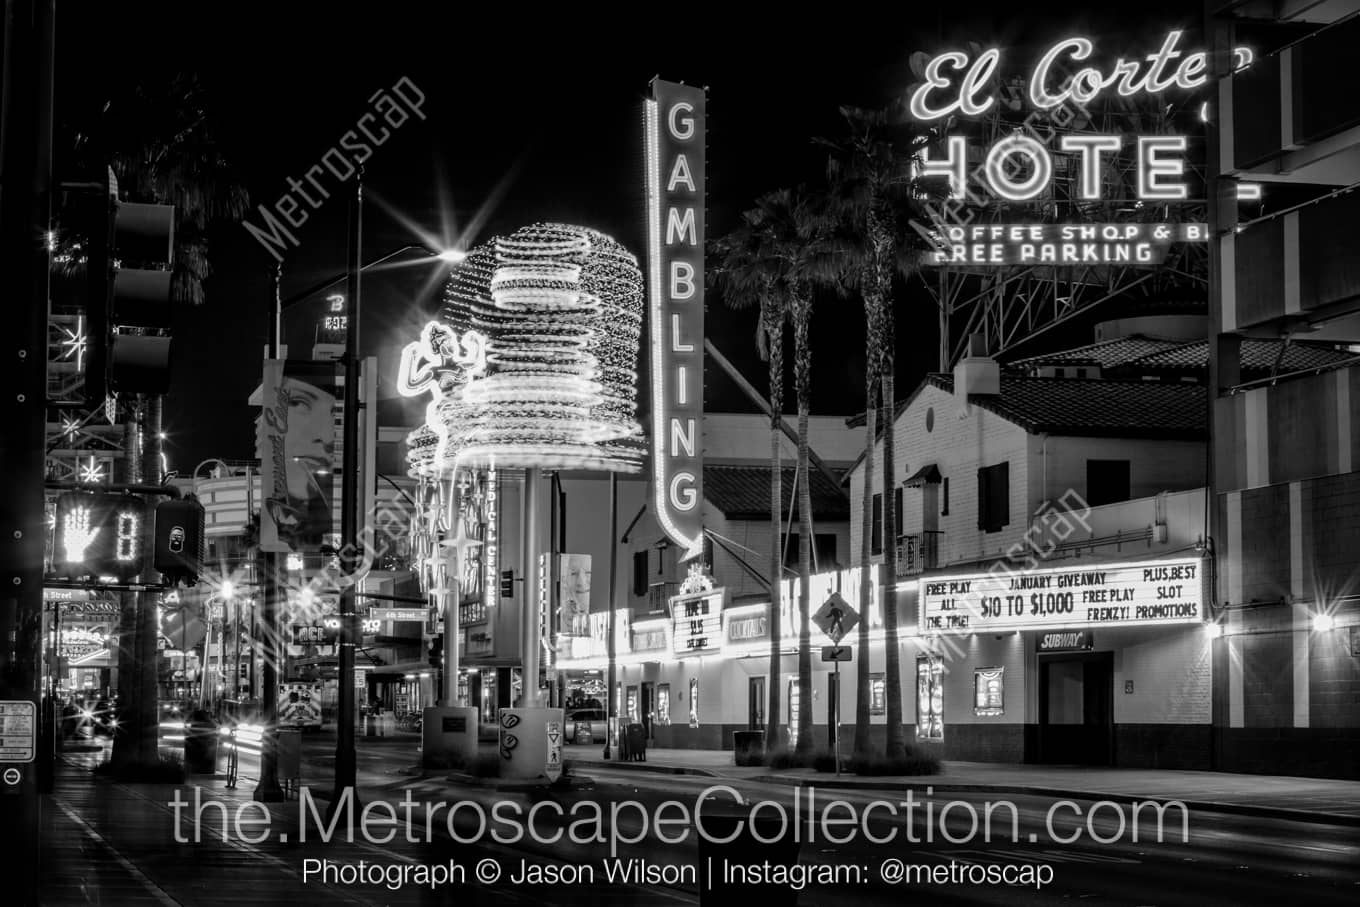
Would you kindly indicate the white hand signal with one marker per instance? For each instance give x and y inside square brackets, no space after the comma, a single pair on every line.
[77,535]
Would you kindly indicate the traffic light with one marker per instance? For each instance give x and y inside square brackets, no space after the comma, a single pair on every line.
[99,535]
[179,540]
[128,301]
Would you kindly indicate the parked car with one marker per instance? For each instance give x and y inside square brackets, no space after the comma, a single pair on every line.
[587,726]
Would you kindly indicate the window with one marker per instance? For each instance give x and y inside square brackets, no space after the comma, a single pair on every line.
[878,697]
[694,702]
[897,511]
[944,497]
[1107,481]
[988,691]
[663,704]
[929,697]
[823,546]
[876,532]
[640,572]
[994,497]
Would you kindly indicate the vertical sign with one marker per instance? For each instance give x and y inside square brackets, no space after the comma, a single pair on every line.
[675,149]
[295,441]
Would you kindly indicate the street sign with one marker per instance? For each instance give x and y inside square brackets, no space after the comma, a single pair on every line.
[553,766]
[18,731]
[837,653]
[836,617]
[397,614]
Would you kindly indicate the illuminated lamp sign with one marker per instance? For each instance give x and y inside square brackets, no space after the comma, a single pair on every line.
[675,152]
[1144,594]
[697,622]
[490,546]
[1020,167]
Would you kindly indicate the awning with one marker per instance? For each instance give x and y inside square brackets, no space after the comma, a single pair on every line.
[926,475]
[402,669]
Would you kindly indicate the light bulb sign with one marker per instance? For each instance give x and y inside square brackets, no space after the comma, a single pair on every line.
[674,142]
[99,535]
[1056,143]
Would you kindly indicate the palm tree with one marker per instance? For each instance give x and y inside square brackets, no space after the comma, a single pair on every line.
[874,198]
[790,228]
[747,277]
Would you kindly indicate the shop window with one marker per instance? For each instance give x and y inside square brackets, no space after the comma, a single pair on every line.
[632,706]
[878,694]
[663,704]
[929,697]
[1107,481]
[876,531]
[994,497]
[989,692]
[793,700]
[694,702]
[897,510]
[640,572]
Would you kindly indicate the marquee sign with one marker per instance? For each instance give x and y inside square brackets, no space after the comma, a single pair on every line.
[697,622]
[675,151]
[1019,167]
[1148,593]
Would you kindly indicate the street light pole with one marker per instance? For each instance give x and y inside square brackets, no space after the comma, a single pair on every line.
[612,709]
[349,509]
[268,789]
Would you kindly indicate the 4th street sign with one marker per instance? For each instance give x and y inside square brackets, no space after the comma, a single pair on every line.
[836,617]
[837,653]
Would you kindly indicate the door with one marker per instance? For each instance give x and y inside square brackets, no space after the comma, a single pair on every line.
[648,707]
[1076,709]
[755,711]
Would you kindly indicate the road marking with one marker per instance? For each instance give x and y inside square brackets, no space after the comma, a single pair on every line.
[155,890]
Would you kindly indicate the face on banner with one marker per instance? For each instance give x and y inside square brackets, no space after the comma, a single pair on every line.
[297,441]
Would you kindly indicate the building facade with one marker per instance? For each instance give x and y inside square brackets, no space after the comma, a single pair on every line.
[1285,133]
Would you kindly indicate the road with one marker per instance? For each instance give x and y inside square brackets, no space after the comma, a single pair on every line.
[1223,858]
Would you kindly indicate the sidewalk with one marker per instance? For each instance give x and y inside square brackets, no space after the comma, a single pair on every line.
[1318,800]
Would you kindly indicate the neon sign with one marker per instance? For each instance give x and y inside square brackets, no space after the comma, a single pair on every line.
[674,139]
[1127,77]
[490,545]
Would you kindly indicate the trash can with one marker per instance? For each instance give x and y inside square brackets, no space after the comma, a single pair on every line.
[748,747]
[728,837]
[200,744]
[635,737]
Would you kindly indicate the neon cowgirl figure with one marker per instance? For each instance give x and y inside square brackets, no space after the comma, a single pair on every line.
[305,518]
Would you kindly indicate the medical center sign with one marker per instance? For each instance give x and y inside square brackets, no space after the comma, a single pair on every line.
[1019,167]
[674,140]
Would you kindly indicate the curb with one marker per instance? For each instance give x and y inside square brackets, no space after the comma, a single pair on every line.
[653,768]
[1238,809]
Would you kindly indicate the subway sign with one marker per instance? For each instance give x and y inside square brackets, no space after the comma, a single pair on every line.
[1143,594]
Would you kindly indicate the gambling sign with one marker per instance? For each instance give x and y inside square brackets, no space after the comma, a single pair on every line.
[1149,593]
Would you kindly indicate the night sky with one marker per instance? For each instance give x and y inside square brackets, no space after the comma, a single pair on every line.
[529,117]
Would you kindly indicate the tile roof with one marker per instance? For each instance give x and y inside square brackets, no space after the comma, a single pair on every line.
[1138,354]
[1096,407]
[1106,353]
[743,492]
[1256,356]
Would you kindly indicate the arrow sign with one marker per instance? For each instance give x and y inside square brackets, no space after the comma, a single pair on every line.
[837,653]
[836,617]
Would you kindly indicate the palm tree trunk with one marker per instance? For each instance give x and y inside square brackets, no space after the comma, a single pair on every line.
[897,744]
[802,380]
[863,743]
[772,316]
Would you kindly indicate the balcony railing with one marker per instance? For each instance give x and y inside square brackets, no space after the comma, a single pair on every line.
[917,553]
